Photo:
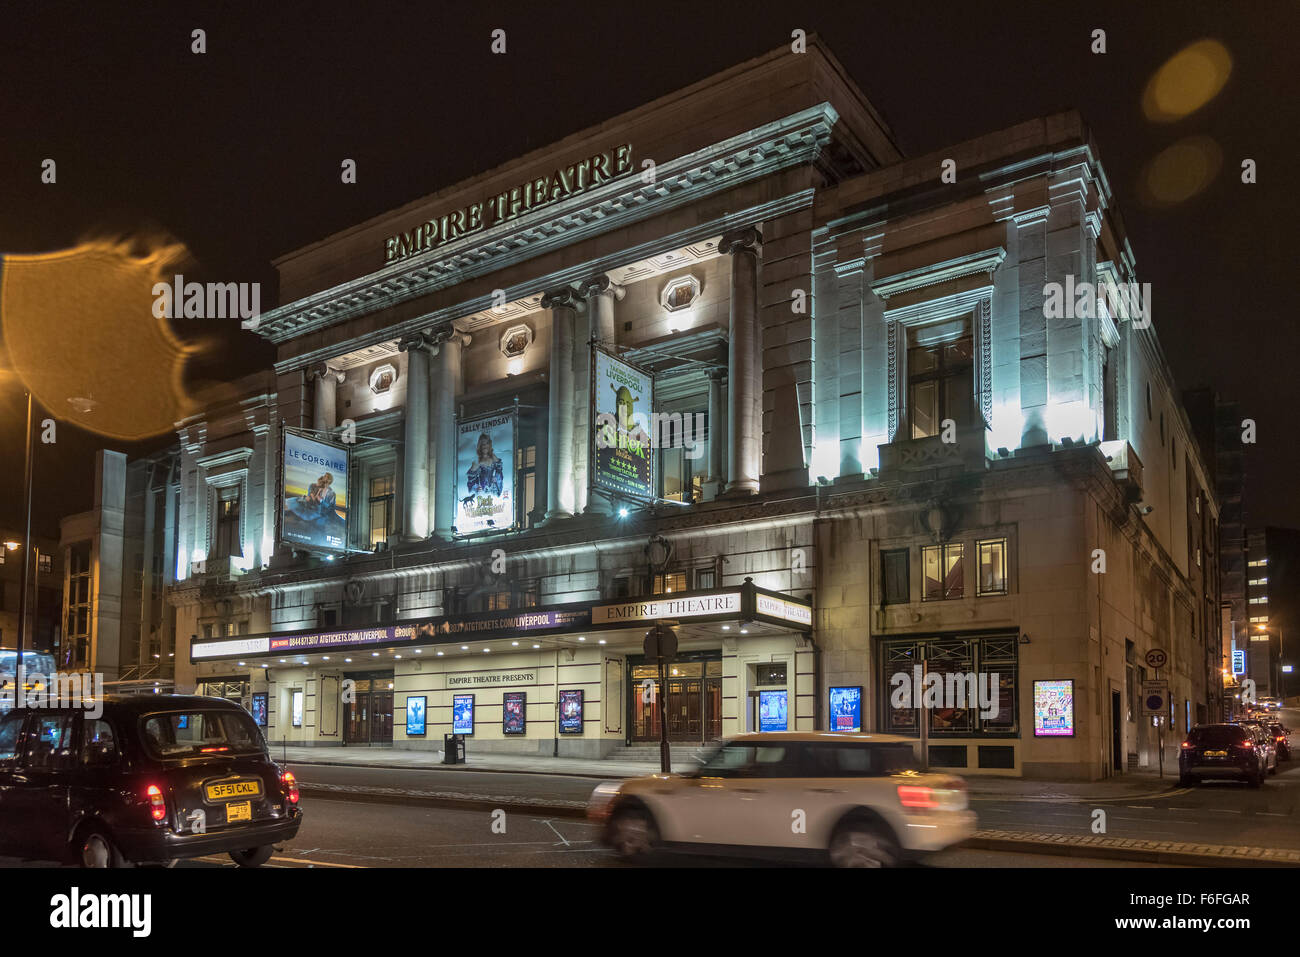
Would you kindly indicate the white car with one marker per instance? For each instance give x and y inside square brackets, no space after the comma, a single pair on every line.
[855,798]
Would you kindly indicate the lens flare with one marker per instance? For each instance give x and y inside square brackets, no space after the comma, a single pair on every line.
[80,330]
[1181,171]
[1187,81]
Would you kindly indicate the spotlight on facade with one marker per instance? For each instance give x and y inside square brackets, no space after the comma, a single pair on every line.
[1003,451]
[622,513]
[1146,509]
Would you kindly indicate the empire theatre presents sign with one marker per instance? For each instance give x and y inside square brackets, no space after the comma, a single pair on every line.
[511,203]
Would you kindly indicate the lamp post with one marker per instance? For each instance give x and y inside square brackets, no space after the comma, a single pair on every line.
[660,644]
[27,539]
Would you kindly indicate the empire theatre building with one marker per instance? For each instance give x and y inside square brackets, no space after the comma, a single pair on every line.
[731,363]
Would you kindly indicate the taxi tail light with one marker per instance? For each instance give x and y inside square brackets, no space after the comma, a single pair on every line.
[1187,745]
[157,804]
[916,798]
[289,785]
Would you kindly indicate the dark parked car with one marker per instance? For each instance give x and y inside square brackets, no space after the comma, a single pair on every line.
[1222,751]
[152,780]
[1262,730]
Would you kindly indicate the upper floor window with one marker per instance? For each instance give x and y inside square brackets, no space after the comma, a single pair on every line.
[943,571]
[669,582]
[226,542]
[893,567]
[940,369]
[679,293]
[993,567]
[382,488]
[683,462]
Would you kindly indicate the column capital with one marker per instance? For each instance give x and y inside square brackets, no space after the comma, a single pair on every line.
[415,342]
[323,370]
[717,374]
[746,239]
[601,285]
[447,333]
[563,297]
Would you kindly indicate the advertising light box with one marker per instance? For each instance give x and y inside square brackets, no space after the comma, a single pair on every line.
[485,474]
[462,714]
[513,713]
[1054,708]
[571,712]
[846,709]
[772,710]
[416,710]
[314,494]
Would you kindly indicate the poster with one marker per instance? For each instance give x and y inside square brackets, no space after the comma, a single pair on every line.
[570,712]
[513,719]
[314,502]
[846,709]
[485,474]
[297,709]
[771,710]
[416,708]
[622,400]
[462,714]
[1054,708]
[259,708]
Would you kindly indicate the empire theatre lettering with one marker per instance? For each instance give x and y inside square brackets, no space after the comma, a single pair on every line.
[511,203]
[668,608]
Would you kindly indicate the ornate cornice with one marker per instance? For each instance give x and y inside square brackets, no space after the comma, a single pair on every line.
[757,153]
[910,280]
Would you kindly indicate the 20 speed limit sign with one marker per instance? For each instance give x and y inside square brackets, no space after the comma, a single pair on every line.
[1156,658]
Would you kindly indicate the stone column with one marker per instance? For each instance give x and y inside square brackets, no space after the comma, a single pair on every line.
[745,368]
[600,294]
[717,428]
[324,409]
[559,420]
[445,386]
[415,450]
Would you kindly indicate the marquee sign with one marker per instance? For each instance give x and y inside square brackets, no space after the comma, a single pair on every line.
[511,203]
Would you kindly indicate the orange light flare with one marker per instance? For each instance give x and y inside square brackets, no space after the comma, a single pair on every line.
[80,331]
[1187,81]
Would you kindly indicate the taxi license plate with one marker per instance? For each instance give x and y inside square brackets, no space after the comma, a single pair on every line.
[233,789]
[239,812]
[1216,754]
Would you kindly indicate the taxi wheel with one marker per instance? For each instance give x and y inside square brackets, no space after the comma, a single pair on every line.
[96,849]
[633,834]
[859,844]
[253,857]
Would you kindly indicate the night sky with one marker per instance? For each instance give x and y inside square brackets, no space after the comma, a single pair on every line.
[236,152]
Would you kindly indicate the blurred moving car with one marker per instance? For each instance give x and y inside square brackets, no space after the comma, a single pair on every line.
[152,780]
[856,800]
[1231,751]
[1281,738]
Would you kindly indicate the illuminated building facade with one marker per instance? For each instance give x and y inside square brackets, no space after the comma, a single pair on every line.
[891,423]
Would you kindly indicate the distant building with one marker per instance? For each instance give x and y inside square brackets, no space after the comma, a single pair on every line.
[1217,424]
[119,559]
[44,595]
[1273,603]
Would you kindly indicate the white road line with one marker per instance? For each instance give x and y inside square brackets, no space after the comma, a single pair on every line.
[563,840]
[1219,810]
[1140,807]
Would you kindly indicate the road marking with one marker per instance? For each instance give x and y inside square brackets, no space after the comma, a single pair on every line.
[1219,810]
[1140,807]
[563,839]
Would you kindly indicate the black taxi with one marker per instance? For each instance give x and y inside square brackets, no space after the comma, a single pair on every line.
[141,779]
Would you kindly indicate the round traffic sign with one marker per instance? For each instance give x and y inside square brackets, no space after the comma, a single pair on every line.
[1156,658]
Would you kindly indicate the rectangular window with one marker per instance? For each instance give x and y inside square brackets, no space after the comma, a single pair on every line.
[993,567]
[669,583]
[382,489]
[940,370]
[526,465]
[942,568]
[705,578]
[978,686]
[893,568]
[226,542]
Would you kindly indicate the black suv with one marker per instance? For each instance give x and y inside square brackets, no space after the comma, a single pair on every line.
[1222,751]
[153,779]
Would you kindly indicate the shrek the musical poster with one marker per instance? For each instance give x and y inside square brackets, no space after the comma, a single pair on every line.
[622,403]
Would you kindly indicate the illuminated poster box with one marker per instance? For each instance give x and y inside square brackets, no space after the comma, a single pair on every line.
[1054,708]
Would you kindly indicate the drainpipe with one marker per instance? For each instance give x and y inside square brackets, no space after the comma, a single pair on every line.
[555,720]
